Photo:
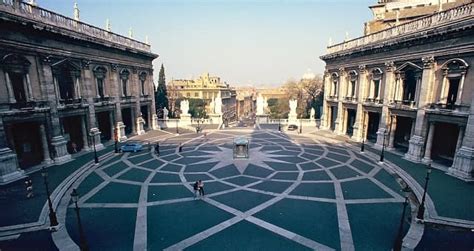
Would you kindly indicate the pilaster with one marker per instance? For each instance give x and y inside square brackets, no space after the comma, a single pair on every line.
[463,165]
[339,128]
[384,116]
[9,170]
[429,144]
[359,123]
[416,142]
[325,113]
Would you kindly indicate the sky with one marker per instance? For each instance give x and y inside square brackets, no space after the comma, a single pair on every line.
[245,42]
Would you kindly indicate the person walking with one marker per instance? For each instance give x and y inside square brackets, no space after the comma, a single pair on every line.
[157,148]
[29,188]
[196,189]
[180,148]
[201,188]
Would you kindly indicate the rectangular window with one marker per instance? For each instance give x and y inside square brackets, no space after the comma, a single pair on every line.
[100,87]
[376,89]
[188,94]
[143,86]
[353,88]
[196,94]
[124,87]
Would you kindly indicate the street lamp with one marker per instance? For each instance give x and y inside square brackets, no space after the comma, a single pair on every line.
[421,208]
[52,215]
[96,159]
[279,124]
[115,141]
[301,125]
[177,129]
[363,135]
[382,153]
[399,240]
[83,242]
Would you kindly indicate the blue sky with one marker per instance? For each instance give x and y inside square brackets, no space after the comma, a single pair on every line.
[245,42]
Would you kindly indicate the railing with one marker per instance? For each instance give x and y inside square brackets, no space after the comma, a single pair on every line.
[350,99]
[38,14]
[449,107]
[30,105]
[71,102]
[145,97]
[127,98]
[332,97]
[417,25]
[403,104]
[374,100]
[103,100]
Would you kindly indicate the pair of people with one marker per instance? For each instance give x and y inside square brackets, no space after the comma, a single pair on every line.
[198,188]
[29,188]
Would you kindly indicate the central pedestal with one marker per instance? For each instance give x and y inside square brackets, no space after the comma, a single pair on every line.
[262,118]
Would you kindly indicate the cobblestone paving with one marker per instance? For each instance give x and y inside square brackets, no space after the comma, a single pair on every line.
[294,192]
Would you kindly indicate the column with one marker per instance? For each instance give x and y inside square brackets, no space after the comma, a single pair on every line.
[57,139]
[28,90]
[9,170]
[416,142]
[89,94]
[138,118]
[324,124]
[117,92]
[85,136]
[385,115]
[429,143]
[393,129]
[11,95]
[44,144]
[359,123]
[460,137]
[340,110]
[463,165]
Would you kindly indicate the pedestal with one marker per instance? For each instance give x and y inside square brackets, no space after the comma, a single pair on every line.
[59,145]
[95,133]
[154,122]
[463,165]
[185,120]
[293,119]
[380,138]
[140,122]
[121,131]
[262,118]
[215,118]
[415,149]
[9,170]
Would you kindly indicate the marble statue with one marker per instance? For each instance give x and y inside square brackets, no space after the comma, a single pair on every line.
[293,105]
[260,105]
[311,115]
[184,105]
[165,113]
[218,104]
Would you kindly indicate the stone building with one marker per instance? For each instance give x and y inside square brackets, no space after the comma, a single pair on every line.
[412,85]
[65,85]
[206,88]
[245,101]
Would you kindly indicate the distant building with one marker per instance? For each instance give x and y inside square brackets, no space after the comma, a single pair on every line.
[273,92]
[410,84]
[65,85]
[206,88]
[246,97]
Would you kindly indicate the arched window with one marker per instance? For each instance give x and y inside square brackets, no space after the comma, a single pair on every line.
[100,73]
[408,79]
[454,72]
[66,76]
[142,78]
[352,84]
[334,84]
[16,69]
[124,74]
[376,79]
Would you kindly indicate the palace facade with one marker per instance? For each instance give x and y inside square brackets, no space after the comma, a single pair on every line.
[408,87]
[206,88]
[66,85]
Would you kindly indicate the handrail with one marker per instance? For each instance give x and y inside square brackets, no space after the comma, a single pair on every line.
[48,17]
[416,25]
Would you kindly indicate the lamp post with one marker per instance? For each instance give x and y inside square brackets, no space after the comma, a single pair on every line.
[421,208]
[82,237]
[52,215]
[301,125]
[399,240]
[96,159]
[115,141]
[279,124]
[362,146]
[177,128]
[382,153]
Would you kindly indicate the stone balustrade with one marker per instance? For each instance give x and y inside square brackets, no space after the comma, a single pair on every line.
[41,15]
[437,19]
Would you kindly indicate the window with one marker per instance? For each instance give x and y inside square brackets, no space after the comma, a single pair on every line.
[17,82]
[66,75]
[335,84]
[142,83]
[16,72]
[196,94]
[188,94]
[376,76]
[99,73]
[124,82]
[454,72]
[376,89]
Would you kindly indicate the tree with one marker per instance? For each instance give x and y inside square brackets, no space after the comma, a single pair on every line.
[197,108]
[161,95]
[307,92]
